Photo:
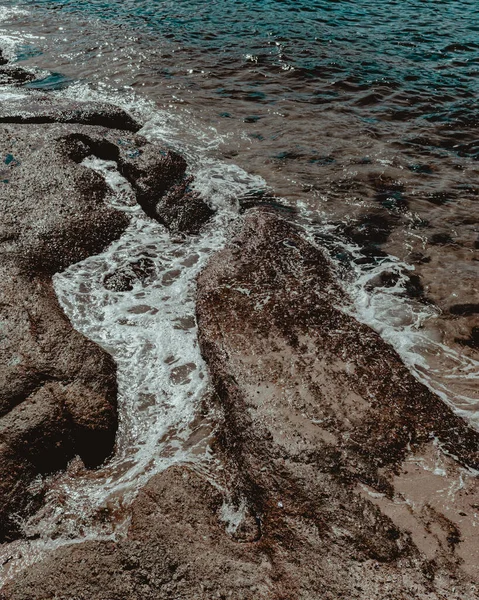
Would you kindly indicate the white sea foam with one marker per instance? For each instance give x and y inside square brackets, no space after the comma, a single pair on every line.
[401,320]
[11,95]
[179,130]
[233,515]
[151,332]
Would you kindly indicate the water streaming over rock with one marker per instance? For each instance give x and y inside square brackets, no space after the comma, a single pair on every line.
[361,120]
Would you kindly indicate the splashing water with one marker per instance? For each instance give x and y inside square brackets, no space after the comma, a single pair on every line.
[378,298]
[372,113]
[151,332]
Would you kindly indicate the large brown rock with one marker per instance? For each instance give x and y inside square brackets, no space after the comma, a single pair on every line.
[176,547]
[344,456]
[162,190]
[37,108]
[157,176]
[338,479]
[57,389]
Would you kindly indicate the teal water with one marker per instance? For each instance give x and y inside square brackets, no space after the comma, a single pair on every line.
[422,56]
[359,119]
[383,61]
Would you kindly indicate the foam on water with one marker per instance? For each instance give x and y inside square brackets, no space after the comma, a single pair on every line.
[151,332]
[403,323]
[444,370]
[400,320]
[233,515]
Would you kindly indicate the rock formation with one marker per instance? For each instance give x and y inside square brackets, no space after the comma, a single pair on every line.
[340,469]
[36,108]
[58,389]
[327,430]
[123,279]
[341,475]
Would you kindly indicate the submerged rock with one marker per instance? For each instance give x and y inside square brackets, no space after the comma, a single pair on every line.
[370,232]
[123,279]
[332,452]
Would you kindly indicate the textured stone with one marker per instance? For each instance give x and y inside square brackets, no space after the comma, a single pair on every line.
[35,108]
[334,480]
[58,389]
[176,548]
[123,279]
[323,423]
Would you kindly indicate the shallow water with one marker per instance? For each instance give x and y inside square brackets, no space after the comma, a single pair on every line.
[362,116]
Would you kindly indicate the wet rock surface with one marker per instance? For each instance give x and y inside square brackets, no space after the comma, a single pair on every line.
[343,476]
[123,279]
[57,389]
[321,417]
[163,190]
[38,108]
[157,176]
[176,548]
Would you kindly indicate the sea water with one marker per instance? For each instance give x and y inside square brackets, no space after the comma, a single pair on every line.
[361,116]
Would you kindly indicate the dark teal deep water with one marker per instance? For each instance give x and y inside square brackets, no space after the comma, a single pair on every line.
[417,44]
[407,59]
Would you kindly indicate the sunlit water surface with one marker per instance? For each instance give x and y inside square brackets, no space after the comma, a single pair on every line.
[361,116]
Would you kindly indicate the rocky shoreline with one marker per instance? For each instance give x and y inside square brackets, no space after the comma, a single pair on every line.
[58,390]
[342,476]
